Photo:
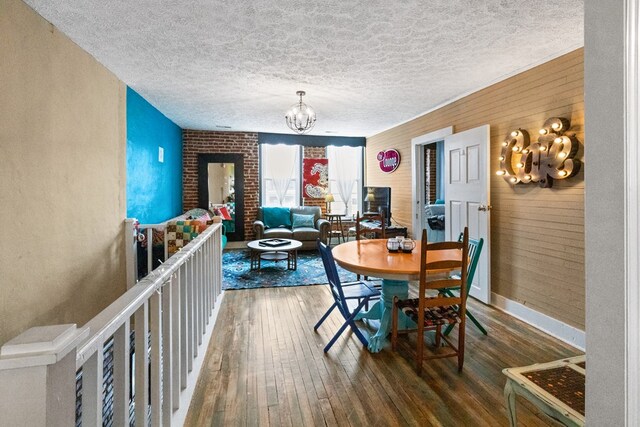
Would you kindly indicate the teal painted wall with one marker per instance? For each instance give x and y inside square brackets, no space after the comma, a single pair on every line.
[154,189]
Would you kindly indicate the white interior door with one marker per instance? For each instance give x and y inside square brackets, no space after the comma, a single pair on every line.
[466,191]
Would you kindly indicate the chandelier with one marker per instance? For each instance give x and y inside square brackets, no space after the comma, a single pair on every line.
[300,118]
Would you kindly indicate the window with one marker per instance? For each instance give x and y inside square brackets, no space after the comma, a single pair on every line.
[345,178]
[280,168]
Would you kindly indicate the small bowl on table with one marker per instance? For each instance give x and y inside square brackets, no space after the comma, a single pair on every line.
[407,246]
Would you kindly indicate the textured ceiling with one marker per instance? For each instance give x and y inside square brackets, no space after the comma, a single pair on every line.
[366,65]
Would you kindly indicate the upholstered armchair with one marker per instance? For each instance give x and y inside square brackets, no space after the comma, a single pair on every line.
[306,234]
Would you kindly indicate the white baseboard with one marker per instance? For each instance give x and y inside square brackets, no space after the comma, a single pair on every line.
[180,415]
[237,245]
[554,327]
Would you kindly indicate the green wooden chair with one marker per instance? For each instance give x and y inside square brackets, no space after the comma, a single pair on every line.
[475,248]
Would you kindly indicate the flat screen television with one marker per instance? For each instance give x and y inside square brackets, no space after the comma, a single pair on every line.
[377,199]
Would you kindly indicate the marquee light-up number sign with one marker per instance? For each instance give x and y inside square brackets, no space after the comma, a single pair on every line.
[389,160]
[552,157]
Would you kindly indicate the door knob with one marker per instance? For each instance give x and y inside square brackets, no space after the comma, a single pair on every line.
[483,208]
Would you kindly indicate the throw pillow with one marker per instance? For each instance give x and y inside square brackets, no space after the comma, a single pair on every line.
[274,217]
[300,220]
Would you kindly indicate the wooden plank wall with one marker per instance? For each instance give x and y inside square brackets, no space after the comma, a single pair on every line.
[537,234]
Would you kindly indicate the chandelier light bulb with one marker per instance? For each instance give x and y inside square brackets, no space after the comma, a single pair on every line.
[500,173]
[525,151]
[557,140]
[501,158]
[543,131]
[556,125]
[505,143]
[300,118]
[543,148]
[562,173]
[562,155]
[513,179]
[520,165]
[514,133]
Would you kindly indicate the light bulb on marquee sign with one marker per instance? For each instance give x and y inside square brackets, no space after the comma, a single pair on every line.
[552,157]
[389,160]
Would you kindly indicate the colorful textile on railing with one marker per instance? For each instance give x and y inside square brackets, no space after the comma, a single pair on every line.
[180,233]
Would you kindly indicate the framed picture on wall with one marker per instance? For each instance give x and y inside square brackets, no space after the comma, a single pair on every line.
[315,178]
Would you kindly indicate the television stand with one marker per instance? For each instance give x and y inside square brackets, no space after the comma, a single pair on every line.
[395,231]
[391,231]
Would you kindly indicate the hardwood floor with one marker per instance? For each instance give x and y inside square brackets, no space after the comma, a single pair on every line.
[265,366]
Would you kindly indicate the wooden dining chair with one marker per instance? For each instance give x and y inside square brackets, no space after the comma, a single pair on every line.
[375,225]
[358,293]
[475,248]
[363,231]
[434,312]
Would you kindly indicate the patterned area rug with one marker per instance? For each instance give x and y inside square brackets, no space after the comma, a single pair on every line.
[237,274]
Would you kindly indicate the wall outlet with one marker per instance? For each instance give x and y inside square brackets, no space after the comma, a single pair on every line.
[161,154]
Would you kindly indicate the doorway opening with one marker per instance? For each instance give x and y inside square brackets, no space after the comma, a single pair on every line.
[427,176]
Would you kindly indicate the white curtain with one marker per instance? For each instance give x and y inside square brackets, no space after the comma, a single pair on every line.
[279,164]
[345,168]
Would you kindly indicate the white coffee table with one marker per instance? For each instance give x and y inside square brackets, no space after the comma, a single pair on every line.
[288,251]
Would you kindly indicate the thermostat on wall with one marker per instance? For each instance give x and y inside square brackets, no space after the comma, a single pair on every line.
[161,154]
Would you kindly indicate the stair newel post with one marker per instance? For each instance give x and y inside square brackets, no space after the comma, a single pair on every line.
[38,376]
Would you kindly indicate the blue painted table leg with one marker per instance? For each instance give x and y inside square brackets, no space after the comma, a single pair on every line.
[390,289]
[373,313]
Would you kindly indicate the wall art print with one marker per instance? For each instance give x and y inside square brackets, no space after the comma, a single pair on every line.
[315,178]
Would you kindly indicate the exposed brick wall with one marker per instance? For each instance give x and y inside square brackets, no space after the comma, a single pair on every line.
[314,153]
[431,170]
[245,143]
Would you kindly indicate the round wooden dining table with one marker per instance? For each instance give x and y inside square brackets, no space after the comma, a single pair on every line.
[371,258]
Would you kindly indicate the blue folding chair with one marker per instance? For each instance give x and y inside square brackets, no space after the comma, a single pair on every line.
[357,292]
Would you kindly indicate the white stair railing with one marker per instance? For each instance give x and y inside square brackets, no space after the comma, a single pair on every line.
[134,230]
[172,310]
